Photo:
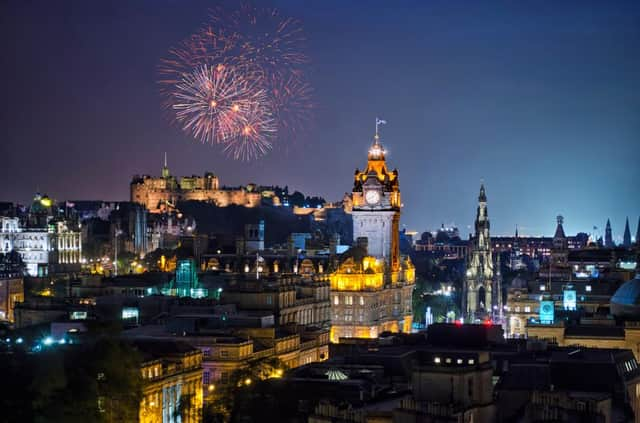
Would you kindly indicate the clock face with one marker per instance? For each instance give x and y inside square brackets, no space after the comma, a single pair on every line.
[546,308]
[372,197]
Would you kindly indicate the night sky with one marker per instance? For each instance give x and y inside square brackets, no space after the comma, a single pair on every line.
[540,99]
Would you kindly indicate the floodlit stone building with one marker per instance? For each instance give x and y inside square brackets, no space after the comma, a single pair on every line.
[371,290]
[162,193]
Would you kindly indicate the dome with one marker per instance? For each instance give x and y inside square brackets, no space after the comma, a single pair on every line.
[625,302]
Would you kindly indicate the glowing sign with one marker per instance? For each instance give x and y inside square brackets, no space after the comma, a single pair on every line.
[78,315]
[569,299]
[130,313]
[546,311]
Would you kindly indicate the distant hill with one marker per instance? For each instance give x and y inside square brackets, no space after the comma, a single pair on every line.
[230,221]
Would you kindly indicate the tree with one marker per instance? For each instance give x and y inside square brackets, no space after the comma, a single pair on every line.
[233,400]
[297,199]
[97,382]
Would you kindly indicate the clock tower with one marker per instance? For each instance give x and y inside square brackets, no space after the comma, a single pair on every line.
[372,286]
[376,207]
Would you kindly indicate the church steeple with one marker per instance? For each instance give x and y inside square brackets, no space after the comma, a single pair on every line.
[626,239]
[559,235]
[165,168]
[608,238]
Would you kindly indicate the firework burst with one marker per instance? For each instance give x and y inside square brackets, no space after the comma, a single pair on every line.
[255,133]
[292,104]
[264,39]
[211,102]
[239,81]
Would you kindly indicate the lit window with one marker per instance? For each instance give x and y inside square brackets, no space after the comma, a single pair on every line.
[224,353]
[336,300]
[527,309]
[471,361]
[436,360]
[517,309]
[459,361]
[447,360]
[542,287]
[348,300]
[361,300]
[588,288]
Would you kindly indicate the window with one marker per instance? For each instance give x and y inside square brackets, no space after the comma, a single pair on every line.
[436,360]
[588,288]
[101,405]
[156,371]
[447,360]
[269,299]
[336,300]
[206,352]
[224,353]
[206,376]
[542,287]
[471,361]
[348,300]
[348,315]
[459,361]
[527,309]
[361,300]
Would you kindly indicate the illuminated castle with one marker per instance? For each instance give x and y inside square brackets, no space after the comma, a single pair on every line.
[158,194]
[372,288]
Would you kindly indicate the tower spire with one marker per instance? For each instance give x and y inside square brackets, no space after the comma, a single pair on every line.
[608,237]
[376,152]
[165,168]
[378,123]
[626,239]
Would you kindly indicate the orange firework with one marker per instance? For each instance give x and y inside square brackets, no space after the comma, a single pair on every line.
[239,81]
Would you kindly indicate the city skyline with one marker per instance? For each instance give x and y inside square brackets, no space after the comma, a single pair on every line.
[545,117]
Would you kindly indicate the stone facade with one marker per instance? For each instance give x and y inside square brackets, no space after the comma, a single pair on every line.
[479,280]
[58,242]
[11,293]
[171,383]
[162,193]
[627,337]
